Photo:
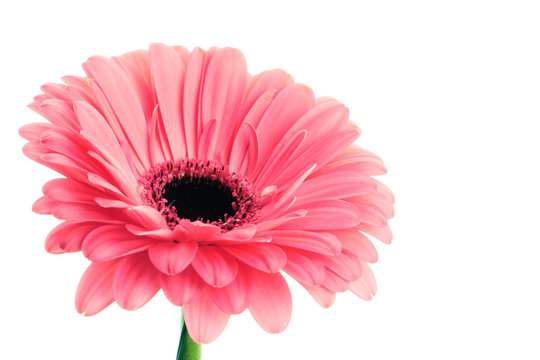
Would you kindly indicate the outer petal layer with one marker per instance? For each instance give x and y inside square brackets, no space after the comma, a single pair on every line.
[135,281]
[204,320]
[271,301]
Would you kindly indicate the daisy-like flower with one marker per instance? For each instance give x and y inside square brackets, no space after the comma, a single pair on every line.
[182,172]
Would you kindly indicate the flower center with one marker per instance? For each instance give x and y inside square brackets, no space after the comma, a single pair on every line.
[199,190]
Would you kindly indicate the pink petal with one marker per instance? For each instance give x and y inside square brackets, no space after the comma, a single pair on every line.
[319,242]
[361,289]
[171,258]
[33,131]
[182,52]
[63,142]
[314,153]
[45,205]
[306,269]
[95,290]
[334,282]
[157,147]
[324,118]
[87,212]
[135,281]
[286,198]
[275,80]
[181,288]
[257,110]
[206,140]
[323,296]
[337,186]
[57,91]
[68,237]
[192,90]
[159,234]
[34,150]
[123,180]
[168,77]
[346,266]
[106,109]
[78,89]
[368,276]
[263,256]
[111,241]
[384,233]
[100,182]
[204,320]
[60,112]
[245,150]
[271,301]
[148,217]
[284,219]
[282,154]
[123,99]
[355,159]
[288,106]
[111,203]
[243,233]
[358,244]
[70,191]
[199,231]
[233,298]
[372,215]
[97,128]
[63,164]
[377,200]
[136,65]
[215,266]
[223,92]
[327,215]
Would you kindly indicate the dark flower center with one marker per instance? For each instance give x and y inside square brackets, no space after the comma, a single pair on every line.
[200,198]
[197,190]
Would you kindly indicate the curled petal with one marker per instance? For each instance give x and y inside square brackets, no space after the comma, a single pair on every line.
[199,231]
[171,258]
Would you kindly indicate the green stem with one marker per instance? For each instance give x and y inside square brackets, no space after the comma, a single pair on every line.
[187,348]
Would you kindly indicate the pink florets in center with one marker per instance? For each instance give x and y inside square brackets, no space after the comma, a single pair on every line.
[199,190]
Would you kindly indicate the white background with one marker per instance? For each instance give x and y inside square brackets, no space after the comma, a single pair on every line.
[446,92]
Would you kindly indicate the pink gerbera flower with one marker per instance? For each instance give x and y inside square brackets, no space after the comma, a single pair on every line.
[182,172]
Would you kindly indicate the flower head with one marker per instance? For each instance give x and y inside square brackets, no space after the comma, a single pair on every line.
[182,172]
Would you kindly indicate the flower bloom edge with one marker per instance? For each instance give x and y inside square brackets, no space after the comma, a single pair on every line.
[182,172]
